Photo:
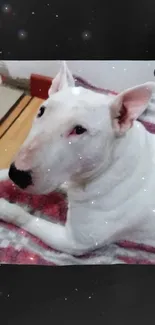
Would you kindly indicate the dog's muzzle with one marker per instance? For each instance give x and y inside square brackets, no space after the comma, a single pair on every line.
[21,178]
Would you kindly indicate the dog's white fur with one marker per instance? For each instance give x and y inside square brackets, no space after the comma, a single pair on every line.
[109,170]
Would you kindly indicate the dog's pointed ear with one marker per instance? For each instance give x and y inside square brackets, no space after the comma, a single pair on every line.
[62,80]
[129,105]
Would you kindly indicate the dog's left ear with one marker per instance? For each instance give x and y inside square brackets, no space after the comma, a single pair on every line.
[129,105]
[62,80]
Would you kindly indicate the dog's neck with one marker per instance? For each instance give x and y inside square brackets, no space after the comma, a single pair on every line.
[128,166]
[121,194]
[120,201]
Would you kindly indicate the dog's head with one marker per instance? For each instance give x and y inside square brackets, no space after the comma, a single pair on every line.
[73,133]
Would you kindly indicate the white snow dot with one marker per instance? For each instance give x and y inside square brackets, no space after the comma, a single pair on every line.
[76,90]
[6,8]
[22,34]
[86,35]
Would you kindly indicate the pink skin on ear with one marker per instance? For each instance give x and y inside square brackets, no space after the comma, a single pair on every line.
[62,80]
[55,84]
[129,105]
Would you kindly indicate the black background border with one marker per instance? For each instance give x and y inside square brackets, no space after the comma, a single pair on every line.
[119,30]
[104,30]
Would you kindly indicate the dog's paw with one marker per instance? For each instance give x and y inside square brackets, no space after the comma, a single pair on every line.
[4,175]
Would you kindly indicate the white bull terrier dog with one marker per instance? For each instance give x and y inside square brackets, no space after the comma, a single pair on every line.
[93,143]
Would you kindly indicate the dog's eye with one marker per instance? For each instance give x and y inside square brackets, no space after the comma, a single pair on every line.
[78,129]
[41,111]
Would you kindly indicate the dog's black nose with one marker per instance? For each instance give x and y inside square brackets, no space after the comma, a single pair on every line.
[20,177]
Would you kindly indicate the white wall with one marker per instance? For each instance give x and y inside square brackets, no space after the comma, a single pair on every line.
[114,75]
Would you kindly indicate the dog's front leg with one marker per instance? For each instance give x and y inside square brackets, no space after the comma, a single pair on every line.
[4,175]
[54,235]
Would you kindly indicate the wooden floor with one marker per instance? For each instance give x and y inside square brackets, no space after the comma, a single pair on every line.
[15,128]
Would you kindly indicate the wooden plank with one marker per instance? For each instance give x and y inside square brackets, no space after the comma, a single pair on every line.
[15,136]
[14,114]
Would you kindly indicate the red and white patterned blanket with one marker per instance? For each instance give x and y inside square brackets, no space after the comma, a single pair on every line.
[19,247]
